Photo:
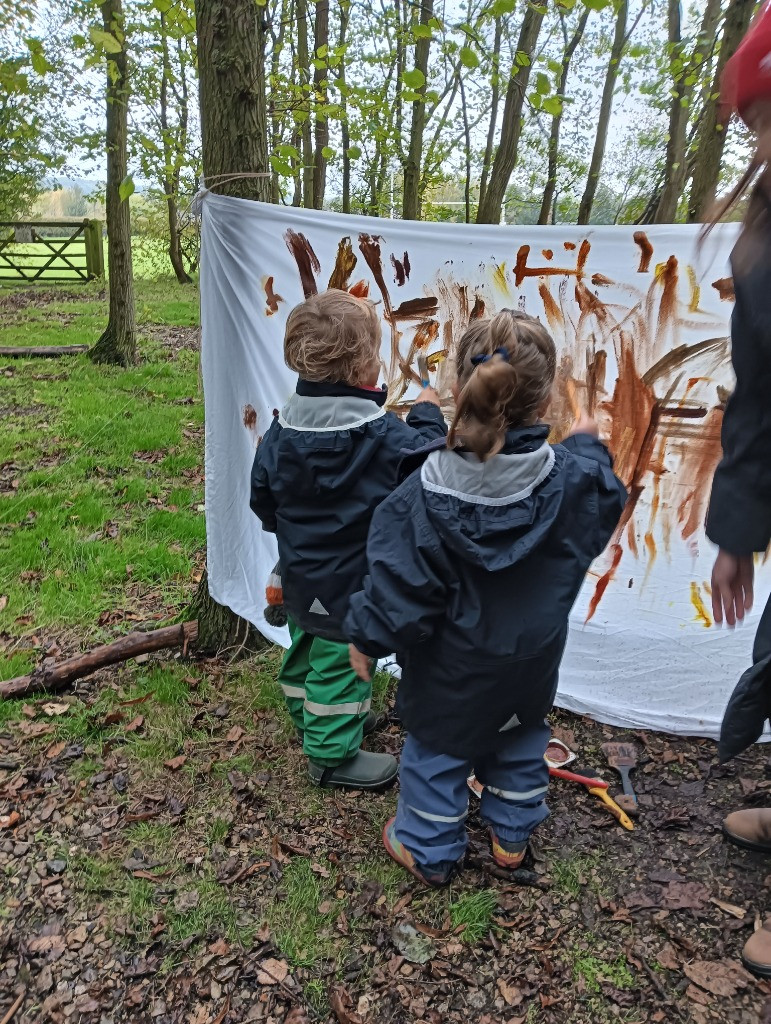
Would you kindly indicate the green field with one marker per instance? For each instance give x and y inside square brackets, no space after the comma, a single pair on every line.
[149,257]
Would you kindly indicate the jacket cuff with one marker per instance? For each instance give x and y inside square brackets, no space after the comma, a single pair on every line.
[738,523]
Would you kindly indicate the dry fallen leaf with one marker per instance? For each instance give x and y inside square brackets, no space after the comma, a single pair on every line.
[235,734]
[730,908]
[55,749]
[342,1005]
[512,995]
[135,723]
[219,948]
[28,711]
[53,709]
[720,977]
[272,972]
[32,729]
[9,820]
[3,601]
[176,762]
[46,944]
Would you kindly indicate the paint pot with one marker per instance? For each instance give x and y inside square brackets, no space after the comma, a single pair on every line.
[558,754]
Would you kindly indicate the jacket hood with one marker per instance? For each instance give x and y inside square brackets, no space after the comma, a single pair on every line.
[328,441]
[494,513]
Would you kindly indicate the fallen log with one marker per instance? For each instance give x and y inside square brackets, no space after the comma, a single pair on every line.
[52,677]
[41,351]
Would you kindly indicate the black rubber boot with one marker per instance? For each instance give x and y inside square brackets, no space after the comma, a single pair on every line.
[364,770]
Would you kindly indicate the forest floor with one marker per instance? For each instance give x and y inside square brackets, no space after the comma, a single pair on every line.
[163,857]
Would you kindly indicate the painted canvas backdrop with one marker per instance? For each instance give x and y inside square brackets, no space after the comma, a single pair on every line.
[641,325]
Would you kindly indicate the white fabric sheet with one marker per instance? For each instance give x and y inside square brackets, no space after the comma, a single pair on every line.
[646,657]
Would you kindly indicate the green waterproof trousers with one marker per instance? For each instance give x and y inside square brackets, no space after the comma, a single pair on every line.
[326,699]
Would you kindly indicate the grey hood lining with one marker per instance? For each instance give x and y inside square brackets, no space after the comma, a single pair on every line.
[316,415]
[502,480]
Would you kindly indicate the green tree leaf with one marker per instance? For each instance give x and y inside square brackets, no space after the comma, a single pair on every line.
[126,188]
[105,40]
[542,84]
[414,79]
[354,152]
[468,57]
[327,152]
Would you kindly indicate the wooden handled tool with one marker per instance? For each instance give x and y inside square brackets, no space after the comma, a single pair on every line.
[613,807]
[623,757]
[425,380]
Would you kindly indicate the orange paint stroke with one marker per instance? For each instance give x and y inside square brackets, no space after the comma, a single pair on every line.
[646,251]
[426,333]
[603,581]
[271,298]
[360,289]
[551,309]
[702,614]
[548,254]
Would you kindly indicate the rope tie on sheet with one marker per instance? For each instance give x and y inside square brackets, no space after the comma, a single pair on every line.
[209,184]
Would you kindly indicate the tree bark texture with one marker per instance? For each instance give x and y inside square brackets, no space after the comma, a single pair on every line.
[321,124]
[171,149]
[505,160]
[117,344]
[675,167]
[231,91]
[302,73]
[711,136]
[606,108]
[494,97]
[550,190]
[411,198]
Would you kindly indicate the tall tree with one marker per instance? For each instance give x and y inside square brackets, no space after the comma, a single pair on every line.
[685,71]
[411,199]
[321,126]
[710,138]
[491,203]
[571,44]
[118,342]
[234,132]
[495,88]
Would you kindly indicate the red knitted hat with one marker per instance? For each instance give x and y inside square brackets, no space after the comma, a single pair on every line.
[747,75]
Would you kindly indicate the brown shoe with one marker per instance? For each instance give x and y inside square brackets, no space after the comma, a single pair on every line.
[750,829]
[756,955]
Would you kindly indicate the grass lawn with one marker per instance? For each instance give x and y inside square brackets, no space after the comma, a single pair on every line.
[163,856]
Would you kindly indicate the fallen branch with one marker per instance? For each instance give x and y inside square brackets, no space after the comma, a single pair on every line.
[41,351]
[51,677]
[12,1012]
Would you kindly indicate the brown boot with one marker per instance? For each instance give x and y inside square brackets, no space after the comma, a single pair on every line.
[756,955]
[751,829]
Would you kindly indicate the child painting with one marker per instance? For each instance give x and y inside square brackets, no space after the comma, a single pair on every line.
[328,460]
[474,563]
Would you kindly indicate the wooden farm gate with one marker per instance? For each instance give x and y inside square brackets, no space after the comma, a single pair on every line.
[54,250]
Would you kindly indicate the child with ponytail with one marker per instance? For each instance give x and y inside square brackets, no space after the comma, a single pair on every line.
[474,564]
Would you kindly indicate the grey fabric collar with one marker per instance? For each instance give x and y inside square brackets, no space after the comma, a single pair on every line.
[304,413]
[502,480]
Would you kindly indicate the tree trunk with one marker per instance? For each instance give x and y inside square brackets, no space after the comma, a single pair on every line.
[302,71]
[549,191]
[234,132]
[170,181]
[345,139]
[682,94]
[320,40]
[710,141]
[495,89]
[606,108]
[411,195]
[118,343]
[491,204]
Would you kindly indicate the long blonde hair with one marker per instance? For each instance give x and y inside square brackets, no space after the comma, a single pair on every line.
[506,369]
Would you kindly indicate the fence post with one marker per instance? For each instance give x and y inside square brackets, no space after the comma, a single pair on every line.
[94,249]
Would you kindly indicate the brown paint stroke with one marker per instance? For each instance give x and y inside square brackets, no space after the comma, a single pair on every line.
[702,454]
[570,246]
[603,581]
[553,312]
[601,281]
[249,416]
[646,251]
[345,264]
[401,269]
[369,246]
[631,409]
[478,309]
[668,277]
[360,290]
[521,269]
[306,259]
[677,357]
[426,333]
[548,254]
[595,379]
[271,298]
[416,309]
[725,288]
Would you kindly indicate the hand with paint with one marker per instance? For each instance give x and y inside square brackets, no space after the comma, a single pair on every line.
[360,663]
[428,394]
[585,424]
[732,579]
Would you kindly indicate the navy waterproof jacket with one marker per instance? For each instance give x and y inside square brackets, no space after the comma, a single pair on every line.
[473,569]
[319,473]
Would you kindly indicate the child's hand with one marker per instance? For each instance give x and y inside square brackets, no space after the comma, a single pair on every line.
[428,394]
[585,424]
[360,663]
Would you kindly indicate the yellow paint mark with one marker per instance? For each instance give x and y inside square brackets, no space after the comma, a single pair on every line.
[701,612]
[499,277]
[695,289]
[650,544]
